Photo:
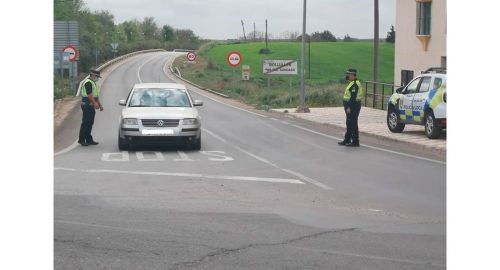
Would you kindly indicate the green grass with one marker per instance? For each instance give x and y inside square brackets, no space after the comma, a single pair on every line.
[324,86]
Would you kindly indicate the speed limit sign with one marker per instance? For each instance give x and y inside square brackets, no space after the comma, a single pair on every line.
[191,56]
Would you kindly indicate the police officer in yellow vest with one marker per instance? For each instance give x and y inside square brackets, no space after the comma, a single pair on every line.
[352,106]
[90,102]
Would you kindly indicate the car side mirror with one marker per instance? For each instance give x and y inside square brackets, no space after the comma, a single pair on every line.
[122,102]
[198,103]
[400,90]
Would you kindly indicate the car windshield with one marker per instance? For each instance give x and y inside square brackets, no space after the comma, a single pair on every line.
[159,97]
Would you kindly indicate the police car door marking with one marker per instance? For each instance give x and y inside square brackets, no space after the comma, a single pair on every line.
[123,156]
[158,156]
[217,155]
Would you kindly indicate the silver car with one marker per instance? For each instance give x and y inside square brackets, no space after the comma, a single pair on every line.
[159,114]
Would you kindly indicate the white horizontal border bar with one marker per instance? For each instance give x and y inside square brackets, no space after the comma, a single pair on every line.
[205,176]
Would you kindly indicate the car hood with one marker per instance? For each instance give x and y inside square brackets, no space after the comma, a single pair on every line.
[159,112]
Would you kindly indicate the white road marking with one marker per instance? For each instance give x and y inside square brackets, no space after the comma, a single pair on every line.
[300,176]
[217,155]
[183,156]
[122,156]
[373,147]
[370,257]
[67,149]
[140,67]
[141,158]
[188,175]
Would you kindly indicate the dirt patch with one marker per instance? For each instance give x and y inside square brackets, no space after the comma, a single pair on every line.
[62,108]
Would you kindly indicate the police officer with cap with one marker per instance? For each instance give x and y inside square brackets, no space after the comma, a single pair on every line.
[90,102]
[352,106]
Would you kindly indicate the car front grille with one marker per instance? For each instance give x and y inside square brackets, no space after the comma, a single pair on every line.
[160,122]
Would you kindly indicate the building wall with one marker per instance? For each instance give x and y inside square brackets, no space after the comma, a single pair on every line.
[409,53]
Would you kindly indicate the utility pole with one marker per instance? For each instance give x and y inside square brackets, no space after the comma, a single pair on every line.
[375,50]
[302,107]
[254,31]
[266,33]
[244,36]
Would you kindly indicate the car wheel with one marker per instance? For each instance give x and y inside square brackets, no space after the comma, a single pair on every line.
[122,144]
[197,144]
[432,128]
[393,121]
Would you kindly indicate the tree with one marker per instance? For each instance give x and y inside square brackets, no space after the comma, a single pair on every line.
[347,38]
[327,36]
[186,36]
[150,28]
[67,10]
[391,35]
[168,33]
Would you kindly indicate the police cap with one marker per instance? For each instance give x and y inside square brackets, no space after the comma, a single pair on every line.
[95,72]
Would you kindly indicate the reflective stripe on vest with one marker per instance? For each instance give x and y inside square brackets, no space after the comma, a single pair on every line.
[95,91]
[347,93]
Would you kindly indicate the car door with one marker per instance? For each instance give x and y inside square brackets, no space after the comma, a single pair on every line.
[406,101]
[419,99]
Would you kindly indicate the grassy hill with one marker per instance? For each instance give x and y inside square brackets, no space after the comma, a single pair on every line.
[324,84]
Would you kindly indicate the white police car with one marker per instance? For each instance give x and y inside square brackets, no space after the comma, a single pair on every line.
[421,102]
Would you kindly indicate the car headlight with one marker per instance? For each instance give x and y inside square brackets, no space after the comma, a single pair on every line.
[190,121]
[130,121]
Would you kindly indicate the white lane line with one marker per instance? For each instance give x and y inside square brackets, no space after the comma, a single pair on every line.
[370,257]
[195,175]
[140,67]
[261,159]
[228,105]
[373,147]
[67,149]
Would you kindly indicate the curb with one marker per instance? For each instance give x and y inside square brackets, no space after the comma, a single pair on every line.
[383,138]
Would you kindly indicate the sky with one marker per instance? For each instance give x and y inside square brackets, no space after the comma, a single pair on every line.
[221,19]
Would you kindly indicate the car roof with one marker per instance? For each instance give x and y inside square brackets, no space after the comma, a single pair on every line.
[160,85]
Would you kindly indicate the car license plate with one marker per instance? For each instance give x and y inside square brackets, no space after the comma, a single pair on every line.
[157,132]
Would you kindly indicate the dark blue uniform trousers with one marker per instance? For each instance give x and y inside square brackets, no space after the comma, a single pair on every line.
[87,123]
[352,133]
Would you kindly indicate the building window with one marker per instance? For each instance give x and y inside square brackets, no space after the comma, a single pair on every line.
[406,77]
[443,61]
[423,18]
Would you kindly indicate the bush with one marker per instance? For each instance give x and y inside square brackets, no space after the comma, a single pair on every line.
[264,51]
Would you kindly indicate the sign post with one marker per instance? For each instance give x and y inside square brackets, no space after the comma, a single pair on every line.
[234,60]
[245,70]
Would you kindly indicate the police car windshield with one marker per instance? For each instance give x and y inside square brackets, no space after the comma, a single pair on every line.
[159,97]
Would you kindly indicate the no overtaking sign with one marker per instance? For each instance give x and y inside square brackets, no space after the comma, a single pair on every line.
[234,59]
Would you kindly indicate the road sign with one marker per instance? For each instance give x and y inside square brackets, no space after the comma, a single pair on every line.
[234,59]
[279,67]
[71,50]
[246,72]
[191,56]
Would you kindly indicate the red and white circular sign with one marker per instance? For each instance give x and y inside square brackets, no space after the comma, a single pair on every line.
[191,56]
[71,50]
[234,59]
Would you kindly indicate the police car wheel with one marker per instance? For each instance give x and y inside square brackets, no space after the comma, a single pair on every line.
[393,121]
[197,144]
[122,144]
[432,128]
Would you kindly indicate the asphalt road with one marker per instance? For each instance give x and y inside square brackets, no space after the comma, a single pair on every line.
[264,192]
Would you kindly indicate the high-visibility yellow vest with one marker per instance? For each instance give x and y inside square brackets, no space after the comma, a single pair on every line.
[349,90]
[95,90]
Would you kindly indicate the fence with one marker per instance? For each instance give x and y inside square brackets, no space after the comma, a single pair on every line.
[376,96]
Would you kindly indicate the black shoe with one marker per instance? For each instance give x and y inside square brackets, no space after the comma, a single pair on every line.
[93,143]
[343,143]
[84,143]
[353,144]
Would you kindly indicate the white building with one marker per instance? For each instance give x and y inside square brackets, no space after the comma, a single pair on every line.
[420,37]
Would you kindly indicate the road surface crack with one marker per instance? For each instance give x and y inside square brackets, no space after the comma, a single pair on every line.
[227,251]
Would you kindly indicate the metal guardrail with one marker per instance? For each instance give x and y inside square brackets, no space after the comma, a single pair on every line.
[115,60]
[379,93]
